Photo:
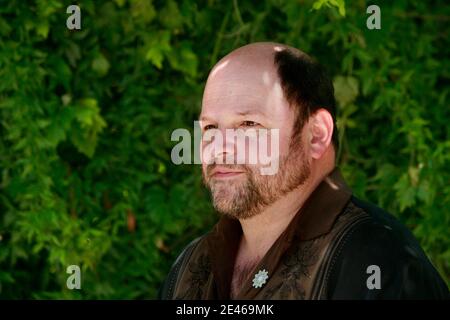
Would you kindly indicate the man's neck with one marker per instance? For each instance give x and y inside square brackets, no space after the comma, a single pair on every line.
[262,230]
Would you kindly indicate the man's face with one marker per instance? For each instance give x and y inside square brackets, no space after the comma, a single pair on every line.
[248,96]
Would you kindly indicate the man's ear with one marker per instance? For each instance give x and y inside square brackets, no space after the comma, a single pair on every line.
[320,126]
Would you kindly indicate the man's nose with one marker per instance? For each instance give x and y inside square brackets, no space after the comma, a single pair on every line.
[220,149]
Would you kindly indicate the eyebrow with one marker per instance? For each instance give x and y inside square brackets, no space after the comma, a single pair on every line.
[240,113]
[249,112]
[203,118]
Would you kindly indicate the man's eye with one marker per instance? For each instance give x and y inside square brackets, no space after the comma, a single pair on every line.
[209,126]
[249,124]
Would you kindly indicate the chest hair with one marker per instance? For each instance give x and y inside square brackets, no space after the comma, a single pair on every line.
[241,274]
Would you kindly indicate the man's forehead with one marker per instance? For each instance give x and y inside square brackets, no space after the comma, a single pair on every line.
[243,81]
[239,98]
[244,87]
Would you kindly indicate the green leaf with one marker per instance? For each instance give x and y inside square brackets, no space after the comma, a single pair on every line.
[406,193]
[170,16]
[43,29]
[184,59]
[100,65]
[91,124]
[340,4]
[346,89]
[159,47]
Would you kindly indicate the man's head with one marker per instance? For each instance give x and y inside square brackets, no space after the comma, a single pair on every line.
[266,86]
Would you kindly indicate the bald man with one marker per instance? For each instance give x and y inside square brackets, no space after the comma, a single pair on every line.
[297,233]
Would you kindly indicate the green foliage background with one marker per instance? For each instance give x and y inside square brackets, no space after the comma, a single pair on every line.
[86,118]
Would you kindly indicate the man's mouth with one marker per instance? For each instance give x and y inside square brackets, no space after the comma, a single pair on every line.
[224,173]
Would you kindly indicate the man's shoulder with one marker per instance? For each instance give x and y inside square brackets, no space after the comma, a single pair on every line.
[381,230]
[166,290]
[382,246]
